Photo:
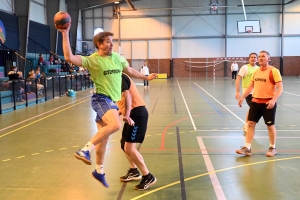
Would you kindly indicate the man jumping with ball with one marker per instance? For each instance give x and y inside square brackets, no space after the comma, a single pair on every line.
[105,68]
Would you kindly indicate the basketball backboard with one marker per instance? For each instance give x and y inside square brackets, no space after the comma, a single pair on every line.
[248,26]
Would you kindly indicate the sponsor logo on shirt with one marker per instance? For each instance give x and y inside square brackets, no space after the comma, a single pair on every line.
[114,71]
[261,79]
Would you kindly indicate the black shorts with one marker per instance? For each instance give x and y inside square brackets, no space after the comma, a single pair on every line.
[136,133]
[257,110]
[249,99]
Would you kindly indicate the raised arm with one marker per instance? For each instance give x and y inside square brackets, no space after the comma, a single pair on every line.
[69,57]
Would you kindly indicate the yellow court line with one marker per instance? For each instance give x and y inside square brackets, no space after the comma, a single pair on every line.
[42,118]
[216,171]
[21,157]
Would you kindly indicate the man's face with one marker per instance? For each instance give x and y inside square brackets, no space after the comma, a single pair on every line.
[107,46]
[263,58]
[252,59]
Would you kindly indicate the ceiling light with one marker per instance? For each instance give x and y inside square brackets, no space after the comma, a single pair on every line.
[116,2]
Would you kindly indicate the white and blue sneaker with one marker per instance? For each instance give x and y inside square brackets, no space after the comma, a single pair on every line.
[100,178]
[84,156]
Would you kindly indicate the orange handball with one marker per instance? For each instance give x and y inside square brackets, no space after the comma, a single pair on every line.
[62,20]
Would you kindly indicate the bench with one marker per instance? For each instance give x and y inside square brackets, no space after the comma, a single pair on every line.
[6,96]
[29,96]
[164,75]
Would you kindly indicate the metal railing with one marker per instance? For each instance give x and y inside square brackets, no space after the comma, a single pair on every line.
[16,94]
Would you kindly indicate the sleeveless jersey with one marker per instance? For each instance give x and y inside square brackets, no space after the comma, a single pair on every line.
[247,79]
[264,83]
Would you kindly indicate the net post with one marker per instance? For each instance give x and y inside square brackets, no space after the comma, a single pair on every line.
[214,68]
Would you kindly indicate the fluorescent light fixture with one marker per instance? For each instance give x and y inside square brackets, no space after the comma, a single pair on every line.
[116,2]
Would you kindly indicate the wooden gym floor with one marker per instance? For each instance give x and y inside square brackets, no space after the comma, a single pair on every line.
[194,128]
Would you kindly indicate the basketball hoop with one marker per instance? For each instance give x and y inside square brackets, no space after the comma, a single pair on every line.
[248,29]
[214,6]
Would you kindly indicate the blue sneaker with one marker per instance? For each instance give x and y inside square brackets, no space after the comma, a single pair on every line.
[100,178]
[83,156]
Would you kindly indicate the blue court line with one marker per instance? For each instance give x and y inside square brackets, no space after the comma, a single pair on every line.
[207,100]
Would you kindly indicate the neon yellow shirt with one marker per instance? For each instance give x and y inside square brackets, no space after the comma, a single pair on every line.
[247,79]
[106,73]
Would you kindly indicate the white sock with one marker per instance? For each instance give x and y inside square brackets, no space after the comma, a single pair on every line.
[248,145]
[89,146]
[272,145]
[100,169]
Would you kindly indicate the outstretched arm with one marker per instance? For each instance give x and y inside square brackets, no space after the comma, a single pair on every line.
[135,74]
[69,57]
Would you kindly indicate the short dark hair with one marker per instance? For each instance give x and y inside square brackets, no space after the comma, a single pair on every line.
[13,67]
[99,37]
[253,54]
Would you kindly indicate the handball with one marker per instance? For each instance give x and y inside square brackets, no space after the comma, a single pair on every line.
[62,20]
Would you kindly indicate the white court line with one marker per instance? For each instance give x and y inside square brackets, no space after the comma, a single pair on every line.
[37,116]
[220,103]
[186,106]
[291,93]
[210,168]
[267,137]
[241,130]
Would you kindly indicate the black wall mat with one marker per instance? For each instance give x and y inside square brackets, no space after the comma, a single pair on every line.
[39,38]
[11,26]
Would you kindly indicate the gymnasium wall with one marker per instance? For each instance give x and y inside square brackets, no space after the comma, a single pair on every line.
[194,31]
[6,6]
[37,11]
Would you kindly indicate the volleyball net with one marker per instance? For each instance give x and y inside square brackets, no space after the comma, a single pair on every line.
[212,67]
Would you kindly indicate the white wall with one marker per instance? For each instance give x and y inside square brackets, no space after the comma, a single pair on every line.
[195,30]
[37,11]
[198,48]
[62,5]
[241,47]
[6,6]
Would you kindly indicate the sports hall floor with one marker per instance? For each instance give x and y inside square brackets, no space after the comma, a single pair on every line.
[194,128]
